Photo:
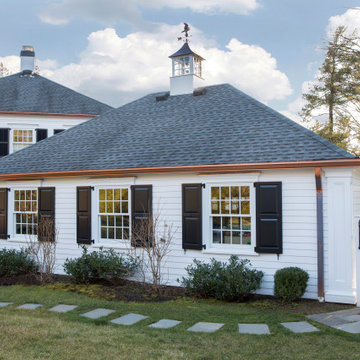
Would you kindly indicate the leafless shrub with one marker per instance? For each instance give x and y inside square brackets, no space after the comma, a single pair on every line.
[150,242]
[43,248]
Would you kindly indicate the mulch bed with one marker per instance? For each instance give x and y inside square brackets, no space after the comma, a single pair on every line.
[138,292]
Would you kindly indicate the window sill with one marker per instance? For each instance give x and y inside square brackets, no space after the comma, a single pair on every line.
[111,246]
[231,251]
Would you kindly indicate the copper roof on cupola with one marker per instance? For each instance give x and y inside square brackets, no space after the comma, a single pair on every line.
[185,50]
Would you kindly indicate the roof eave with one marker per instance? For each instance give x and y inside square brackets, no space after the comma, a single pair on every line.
[46,114]
[205,169]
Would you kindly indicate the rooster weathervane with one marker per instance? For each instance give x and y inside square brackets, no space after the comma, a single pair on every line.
[186,31]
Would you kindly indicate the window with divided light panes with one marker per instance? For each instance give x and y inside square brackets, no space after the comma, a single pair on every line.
[25,210]
[22,139]
[114,213]
[230,215]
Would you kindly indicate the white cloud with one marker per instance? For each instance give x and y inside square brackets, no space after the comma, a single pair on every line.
[350,19]
[11,63]
[109,12]
[118,69]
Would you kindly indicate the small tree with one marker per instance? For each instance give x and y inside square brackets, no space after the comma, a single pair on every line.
[151,240]
[43,248]
[4,71]
[336,92]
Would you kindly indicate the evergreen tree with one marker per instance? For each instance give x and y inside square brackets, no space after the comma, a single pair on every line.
[336,92]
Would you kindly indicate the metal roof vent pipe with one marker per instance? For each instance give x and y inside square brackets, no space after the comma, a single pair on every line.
[27,58]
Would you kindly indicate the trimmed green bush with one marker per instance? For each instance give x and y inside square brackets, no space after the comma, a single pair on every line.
[290,283]
[100,265]
[16,262]
[224,281]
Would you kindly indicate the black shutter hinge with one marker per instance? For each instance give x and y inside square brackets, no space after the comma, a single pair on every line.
[92,188]
[8,189]
[203,186]
[92,241]
[204,246]
[8,236]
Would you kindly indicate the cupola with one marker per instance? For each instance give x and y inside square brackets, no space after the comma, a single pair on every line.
[186,68]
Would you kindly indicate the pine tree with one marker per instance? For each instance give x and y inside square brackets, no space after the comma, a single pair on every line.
[336,92]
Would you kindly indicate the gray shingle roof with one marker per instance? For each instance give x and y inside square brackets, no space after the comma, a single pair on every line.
[38,94]
[224,126]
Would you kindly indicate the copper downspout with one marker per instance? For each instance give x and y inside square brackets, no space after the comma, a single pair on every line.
[320,233]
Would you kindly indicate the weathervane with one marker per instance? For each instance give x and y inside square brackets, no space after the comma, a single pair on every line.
[186,31]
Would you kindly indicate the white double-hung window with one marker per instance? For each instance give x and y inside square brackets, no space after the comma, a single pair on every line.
[231,215]
[22,139]
[26,212]
[114,214]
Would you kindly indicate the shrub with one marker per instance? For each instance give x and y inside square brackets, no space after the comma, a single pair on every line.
[224,281]
[16,262]
[100,265]
[290,283]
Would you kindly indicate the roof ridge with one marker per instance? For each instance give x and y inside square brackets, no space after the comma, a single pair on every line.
[306,131]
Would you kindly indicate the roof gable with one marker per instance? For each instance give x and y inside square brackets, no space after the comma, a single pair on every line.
[224,126]
[19,93]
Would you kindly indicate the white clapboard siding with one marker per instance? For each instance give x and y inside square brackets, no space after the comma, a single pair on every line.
[299,221]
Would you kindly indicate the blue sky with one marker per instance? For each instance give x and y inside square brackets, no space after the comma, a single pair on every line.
[115,50]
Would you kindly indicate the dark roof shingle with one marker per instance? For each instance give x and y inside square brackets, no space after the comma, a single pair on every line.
[35,93]
[224,126]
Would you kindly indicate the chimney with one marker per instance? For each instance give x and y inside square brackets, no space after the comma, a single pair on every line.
[27,56]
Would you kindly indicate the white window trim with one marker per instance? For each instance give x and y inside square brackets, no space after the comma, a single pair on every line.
[17,238]
[206,209]
[95,219]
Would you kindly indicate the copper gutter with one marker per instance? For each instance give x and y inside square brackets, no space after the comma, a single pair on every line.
[203,169]
[46,114]
[320,234]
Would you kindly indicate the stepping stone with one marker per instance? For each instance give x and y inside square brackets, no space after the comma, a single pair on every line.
[205,327]
[129,319]
[353,328]
[29,306]
[98,313]
[3,304]
[62,308]
[300,327]
[165,324]
[256,329]
[351,318]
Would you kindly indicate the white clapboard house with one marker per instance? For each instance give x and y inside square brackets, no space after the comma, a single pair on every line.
[230,174]
[33,108]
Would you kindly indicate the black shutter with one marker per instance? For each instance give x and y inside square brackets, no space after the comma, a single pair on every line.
[3,213]
[268,217]
[58,131]
[46,213]
[41,134]
[4,142]
[192,216]
[83,215]
[141,211]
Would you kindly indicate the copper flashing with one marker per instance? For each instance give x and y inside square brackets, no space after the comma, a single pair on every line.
[46,114]
[210,169]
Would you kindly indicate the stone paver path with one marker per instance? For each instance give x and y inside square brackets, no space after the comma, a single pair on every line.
[129,319]
[345,320]
[29,306]
[256,329]
[300,327]
[3,304]
[165,324]
[205,327]
[62,308]
[98,313]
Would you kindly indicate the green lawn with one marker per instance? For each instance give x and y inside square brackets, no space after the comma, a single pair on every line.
[40,334]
